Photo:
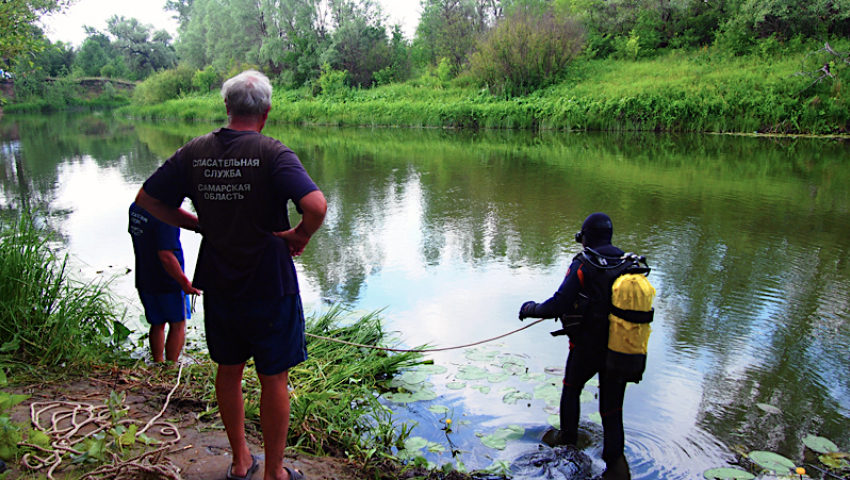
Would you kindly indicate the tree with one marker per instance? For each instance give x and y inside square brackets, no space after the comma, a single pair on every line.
[447,29]
[144,50]
[526,51]
[95,52]
[18,33]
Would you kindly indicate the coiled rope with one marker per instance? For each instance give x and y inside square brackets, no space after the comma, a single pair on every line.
[49,418]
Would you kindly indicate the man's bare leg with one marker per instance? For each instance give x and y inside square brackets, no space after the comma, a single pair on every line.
[174,342]
[274,420]
[156,338]
[228,392]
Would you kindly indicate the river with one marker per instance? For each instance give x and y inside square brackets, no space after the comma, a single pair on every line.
[450,232]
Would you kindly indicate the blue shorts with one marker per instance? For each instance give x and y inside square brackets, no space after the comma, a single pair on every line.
[163,308]
[271,331]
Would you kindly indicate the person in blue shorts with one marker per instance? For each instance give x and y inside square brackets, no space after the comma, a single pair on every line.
[161,283]
[240,182]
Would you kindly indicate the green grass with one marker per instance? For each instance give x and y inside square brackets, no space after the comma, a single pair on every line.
[48,319]
[697,91]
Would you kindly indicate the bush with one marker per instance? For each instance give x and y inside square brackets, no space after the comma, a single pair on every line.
[164,85]
[205,79]
[526,52]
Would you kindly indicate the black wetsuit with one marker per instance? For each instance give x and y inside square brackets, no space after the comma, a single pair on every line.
[587,357]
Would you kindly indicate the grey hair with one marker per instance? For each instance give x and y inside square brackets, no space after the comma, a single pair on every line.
[246,94]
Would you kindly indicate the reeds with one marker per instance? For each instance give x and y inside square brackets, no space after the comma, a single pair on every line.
[47,318]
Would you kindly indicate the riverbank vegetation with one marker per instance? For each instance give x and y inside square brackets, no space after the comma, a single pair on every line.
[740,65]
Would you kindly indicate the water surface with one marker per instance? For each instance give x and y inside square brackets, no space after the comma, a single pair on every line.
[450,232]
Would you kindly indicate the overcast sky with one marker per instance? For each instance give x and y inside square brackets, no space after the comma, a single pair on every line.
[68,27]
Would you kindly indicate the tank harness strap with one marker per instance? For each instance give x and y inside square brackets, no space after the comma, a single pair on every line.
[632,315]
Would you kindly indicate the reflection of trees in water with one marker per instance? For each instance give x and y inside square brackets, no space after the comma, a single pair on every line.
[770,301]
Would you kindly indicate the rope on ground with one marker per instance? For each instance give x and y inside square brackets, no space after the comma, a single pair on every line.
[425,350]
[64,424]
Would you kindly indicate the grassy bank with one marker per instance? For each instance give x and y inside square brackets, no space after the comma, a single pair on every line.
[699,91]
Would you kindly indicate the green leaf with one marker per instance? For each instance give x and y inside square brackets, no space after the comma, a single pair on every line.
[438,409]
[820,444]
[432,369]
[129,437]
[833,462]
[415,443]
[470,372]
[498,377]
[37,437]
[414,377]
[727,473]
[512,397]
[3,380]
[121,332]
[555,421]
[772,461]
[481,356]
[455,385]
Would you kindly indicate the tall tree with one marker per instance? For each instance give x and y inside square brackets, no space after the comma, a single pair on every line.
[448,29]
[18,32]
[144,50]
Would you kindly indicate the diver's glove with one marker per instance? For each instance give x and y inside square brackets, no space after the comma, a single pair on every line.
[526,310]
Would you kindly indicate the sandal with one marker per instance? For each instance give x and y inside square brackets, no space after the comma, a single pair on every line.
[255,465]
[295,474]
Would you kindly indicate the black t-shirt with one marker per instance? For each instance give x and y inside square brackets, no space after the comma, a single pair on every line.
[239,183]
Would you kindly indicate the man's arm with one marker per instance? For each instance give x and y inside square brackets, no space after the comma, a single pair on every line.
[559,303]
[315,206]
[172,267]
[176,217]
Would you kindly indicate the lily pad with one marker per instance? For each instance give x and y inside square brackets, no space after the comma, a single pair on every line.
[438,409]
[502,436]
[481,388]
[434,447]
[769,408]
[424,395]
[833,462]
[593,382]
[555,421]
[415,443]
[432,369]
[596,418]
[399,397]
[533,377]
[586,396]
[548,393]
[554,371]
[470,372]
[482,356]
[820,444]
[772,461]
[551,410]
[512,397]
[498,377]
[455,385]
[414,377]
[727,473]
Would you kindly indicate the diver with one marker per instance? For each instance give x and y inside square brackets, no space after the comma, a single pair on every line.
[583,307]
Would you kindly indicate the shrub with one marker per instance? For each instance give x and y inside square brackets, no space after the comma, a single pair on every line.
[164,85]
[205,79]
[526,52]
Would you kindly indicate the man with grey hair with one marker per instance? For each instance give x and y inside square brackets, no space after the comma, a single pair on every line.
[240,182]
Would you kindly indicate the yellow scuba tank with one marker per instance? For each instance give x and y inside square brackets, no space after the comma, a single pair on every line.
[628,322]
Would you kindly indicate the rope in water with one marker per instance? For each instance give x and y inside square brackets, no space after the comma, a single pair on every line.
[425,350]
[76,416]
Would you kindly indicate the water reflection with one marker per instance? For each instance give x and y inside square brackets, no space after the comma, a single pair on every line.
[451,231]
